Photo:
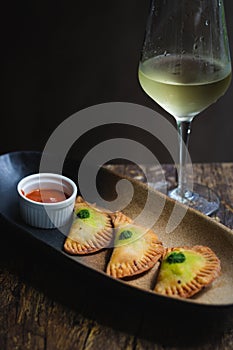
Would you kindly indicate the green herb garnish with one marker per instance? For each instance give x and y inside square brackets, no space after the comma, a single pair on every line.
[175,258]
[83,214]
[125,234]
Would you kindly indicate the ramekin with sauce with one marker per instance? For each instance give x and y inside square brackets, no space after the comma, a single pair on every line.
[46,200]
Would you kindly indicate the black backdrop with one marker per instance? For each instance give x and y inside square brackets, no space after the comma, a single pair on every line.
[62,56]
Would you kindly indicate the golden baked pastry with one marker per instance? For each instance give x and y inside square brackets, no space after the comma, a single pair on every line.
[136,249]
[90,231]
[185,271]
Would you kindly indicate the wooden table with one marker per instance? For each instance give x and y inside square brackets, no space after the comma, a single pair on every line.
[36,314]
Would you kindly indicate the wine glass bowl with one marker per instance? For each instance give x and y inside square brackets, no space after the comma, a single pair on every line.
[185,67]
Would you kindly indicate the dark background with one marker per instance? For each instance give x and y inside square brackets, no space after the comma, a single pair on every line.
[62,56]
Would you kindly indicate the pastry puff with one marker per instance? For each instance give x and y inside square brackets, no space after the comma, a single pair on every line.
[90,231]
[185,271]
[136,249]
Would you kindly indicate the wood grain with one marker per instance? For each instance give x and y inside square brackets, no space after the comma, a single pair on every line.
[34,316]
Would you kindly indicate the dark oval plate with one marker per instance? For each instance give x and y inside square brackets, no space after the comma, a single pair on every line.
[216,302]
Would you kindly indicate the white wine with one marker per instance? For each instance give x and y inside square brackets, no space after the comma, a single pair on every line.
[184,85]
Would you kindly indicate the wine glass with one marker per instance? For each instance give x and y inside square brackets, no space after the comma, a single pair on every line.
[185,67]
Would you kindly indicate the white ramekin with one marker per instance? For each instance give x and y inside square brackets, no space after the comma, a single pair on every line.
[46,215]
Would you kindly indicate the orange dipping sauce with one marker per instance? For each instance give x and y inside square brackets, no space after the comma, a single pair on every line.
[46,196]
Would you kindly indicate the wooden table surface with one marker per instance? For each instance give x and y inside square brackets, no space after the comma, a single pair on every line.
[35,315]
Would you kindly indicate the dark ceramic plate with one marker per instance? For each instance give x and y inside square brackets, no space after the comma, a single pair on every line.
[216,302]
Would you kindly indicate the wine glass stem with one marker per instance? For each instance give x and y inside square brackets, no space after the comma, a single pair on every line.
[184,128]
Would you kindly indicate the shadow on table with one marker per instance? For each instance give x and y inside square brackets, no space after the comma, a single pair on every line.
[77,288]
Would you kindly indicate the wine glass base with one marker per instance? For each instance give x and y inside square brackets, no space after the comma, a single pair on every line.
[202,198]
[161,186]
